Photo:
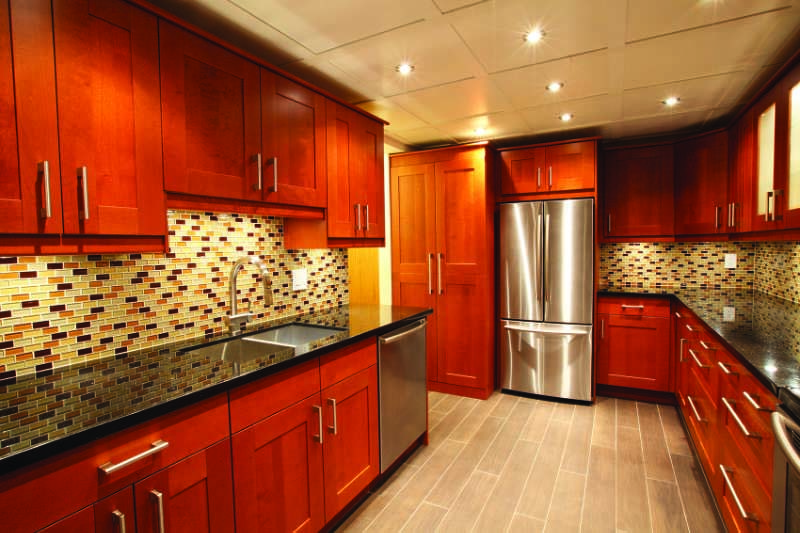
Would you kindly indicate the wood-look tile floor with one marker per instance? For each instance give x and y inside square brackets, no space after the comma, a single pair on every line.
[519,464]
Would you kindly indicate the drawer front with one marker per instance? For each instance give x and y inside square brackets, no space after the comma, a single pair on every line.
[77,476]
[655,307]
[341,364]
[702,362]
[265,397]
[701,417]
[745,505]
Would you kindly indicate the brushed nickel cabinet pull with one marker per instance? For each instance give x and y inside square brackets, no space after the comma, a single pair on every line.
[689,328]
[83,174]
[742,427]
[439,272]
[366,217]
[733,215]
[694,409]
[274,162]
[609,223]
[725,369]
[334,428]
[627,306]
[680,349]
[430,275]
[705,346]
[319,437]
[752,401]
[728,483]
[119,520]
[696,360]
[678,315]
[357,207]
[550,176]
[158,502]
[716,216]
[44,170]
[259,170]
[602,329]
[109,468]
[538,177]
[769,195]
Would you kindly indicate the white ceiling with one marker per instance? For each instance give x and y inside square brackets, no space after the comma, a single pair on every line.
[618,59]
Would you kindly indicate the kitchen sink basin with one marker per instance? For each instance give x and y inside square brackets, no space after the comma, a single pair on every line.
[283,341]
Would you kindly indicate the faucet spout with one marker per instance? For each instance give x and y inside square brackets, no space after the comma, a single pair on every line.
[236,320]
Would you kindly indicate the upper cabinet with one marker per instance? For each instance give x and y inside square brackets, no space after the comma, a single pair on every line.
[211,109]
[701,185]
[81,157]
[548,169]
[637,192]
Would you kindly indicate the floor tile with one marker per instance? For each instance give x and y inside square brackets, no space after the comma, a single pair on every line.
[604,431]
[425,519]
[657,463]
[632,505]
[599,509]
[468,505]
[538,493]
[665,505]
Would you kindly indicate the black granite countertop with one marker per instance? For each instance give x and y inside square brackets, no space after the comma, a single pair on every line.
[764,331]
[52,411]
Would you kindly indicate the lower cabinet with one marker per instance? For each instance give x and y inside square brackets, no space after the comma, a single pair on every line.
[633,343]
[296,469]
[110,515]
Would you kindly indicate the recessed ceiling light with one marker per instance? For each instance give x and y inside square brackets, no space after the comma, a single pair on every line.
[480,132]
[555,86]
[404,68]
[534,36]
[671,101]
[565,117]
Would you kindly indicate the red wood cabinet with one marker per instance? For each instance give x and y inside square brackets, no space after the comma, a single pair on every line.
[294,153]
[701,185]
[192,495]
[211,112]
[545,169]
[355,175]
[638,192]
[633,346]
[112,514]
[109,118]
[28,120]
[442,242]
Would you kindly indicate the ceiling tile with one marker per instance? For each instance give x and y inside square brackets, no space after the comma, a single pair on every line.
[435,50]
[426,135]
[321,24]
[583,75]
[587,112]
[497,125]
[495,30]
[732,46]
[448,102]
[399,119]
[646,20]
[654,125]
[446,6]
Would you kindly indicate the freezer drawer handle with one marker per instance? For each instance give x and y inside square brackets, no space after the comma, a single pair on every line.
[399,336]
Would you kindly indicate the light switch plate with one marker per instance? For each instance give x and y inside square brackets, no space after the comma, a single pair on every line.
[299,279]
[730,260]
[728,314]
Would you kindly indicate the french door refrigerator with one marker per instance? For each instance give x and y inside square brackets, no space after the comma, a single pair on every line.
[546,287]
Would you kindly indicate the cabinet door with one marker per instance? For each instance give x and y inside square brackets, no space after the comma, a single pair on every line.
[28,120]
[211,109]
[464,303]
[293,157]
[522,171]
[791,197]
[343,211]
[369,185]
[635,353]
[109,118]
[638,192]
[765,131]
[193,495]
[112,514]
[351,438]
[740,185]
[277,469]
[571,166]
[701,185]
[414,244]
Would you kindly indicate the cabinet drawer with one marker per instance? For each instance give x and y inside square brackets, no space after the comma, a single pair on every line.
[78,480]
[744,504]
[702,360]
[336,366]
[265,397]
[633,306]
[700,416]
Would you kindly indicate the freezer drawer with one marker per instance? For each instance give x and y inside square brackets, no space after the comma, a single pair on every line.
[548,359]
[403,390]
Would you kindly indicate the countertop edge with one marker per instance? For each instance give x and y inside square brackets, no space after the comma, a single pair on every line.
[29,457]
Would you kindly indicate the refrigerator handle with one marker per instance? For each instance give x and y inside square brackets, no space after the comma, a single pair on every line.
[546,258]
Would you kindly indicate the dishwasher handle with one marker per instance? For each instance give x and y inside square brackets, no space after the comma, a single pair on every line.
[781,424]
[394,338]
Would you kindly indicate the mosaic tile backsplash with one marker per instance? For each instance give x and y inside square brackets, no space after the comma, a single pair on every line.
[778,270]
[56,310]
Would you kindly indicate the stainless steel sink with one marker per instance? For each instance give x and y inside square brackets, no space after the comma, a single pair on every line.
[238,351]
[293,335]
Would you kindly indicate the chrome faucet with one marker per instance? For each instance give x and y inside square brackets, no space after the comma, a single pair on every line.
[235,320]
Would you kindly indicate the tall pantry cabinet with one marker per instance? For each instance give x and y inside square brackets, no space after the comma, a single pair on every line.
[442,257]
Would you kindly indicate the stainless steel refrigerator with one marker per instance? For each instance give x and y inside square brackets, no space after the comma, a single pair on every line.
[546,287]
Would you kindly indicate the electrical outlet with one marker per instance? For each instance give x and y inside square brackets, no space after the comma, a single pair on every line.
[728,314]
[730,260]
[299,279]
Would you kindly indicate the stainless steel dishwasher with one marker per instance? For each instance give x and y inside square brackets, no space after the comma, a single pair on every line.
[403,391]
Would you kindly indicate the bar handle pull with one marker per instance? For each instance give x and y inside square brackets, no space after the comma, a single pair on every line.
[628,306]
[109,468]
[439,272]
[609,223]
[366,217]
[118,518]
[602,329]
[728,483]
[274,162]
[550,176]
[770,195]
[334,428]
[726,369]
[742,427]
[752,401]
[694,409]
[717,209]
[733,215]
[158,502]
[357,207]
[538,177]
[705,346]
[259,170]
[44,170]
[680,349]
[319,436]
[696,360]
[83,175]
[430,275]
